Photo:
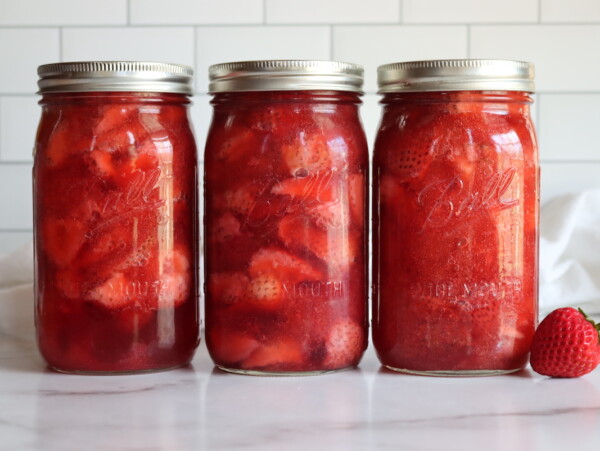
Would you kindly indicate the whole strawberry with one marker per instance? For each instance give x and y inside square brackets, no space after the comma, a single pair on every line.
[566,344]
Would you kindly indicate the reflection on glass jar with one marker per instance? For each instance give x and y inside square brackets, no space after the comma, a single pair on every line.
[115,218]
[456,215]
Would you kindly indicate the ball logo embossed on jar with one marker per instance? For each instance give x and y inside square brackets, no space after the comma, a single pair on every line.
[450,200]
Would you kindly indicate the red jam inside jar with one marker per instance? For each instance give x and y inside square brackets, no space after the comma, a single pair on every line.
[285,232]
[116,231]
[455,245]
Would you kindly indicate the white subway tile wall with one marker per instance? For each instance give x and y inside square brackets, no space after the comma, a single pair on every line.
[196,12]
[560,37]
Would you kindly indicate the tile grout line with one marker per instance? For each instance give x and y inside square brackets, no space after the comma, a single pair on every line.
[60,44]
[400,10]
[539,11]
[128,12]
[468,41]
[533,24]
[264,12]
[331,42]
[195,59]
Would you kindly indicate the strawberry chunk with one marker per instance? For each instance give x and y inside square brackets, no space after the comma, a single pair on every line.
[330,215]
[337,247]
[230,346]
[59,144]
[227,288]
[345,344]
[408,163]
[272,357]
[62,239]
[176,280]
[265,291]
[113,292]
[113,117]
[306,153]
[68,282]
[225,228]
[236,146]
[103,162]
[356,197]
[319,187]
[283,265]
[240,200]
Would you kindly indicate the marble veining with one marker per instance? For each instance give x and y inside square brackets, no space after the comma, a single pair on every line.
[198,407]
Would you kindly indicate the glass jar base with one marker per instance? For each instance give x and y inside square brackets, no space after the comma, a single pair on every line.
[280,373]
[116,373]
[453,373]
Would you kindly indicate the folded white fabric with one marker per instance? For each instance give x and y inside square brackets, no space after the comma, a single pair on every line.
[570,253]
[16,294]
[569,265]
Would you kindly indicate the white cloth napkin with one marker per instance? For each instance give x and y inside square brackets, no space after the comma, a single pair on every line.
[16,293]
[570,253]
[569,265]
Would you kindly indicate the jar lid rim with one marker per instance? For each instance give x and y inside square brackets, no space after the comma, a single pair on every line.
[285,75]
[131,76]
[456,75]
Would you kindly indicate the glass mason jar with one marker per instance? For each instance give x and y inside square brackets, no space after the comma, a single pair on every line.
[455,218]
[115,207]
[285,218]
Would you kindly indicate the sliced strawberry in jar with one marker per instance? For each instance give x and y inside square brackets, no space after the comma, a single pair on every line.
[356,197]
[265,291]
[281,264]
[225,228]
[336,247]
[59,144]
[407,163]
[330,215]
[62,239]
[307,187]
[103,162]
[108,244]
[176,280]
[68,283]
[227,288]
[230,346]
[307,152]
[274,356]
[113,117]
[112,293]
[237,146]
[345,344]
[240,200]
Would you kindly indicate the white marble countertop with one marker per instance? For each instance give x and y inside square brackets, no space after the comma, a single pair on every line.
[201,408]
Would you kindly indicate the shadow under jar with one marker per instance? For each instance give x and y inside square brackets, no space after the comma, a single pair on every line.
[455,218]
[286,169]
[116,229]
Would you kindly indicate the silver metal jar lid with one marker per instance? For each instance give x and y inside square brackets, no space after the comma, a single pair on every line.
[131,76]
[285,75]
[456,75]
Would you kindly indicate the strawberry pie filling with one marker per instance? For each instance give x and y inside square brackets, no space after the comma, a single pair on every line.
[115,206]
[285,242]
